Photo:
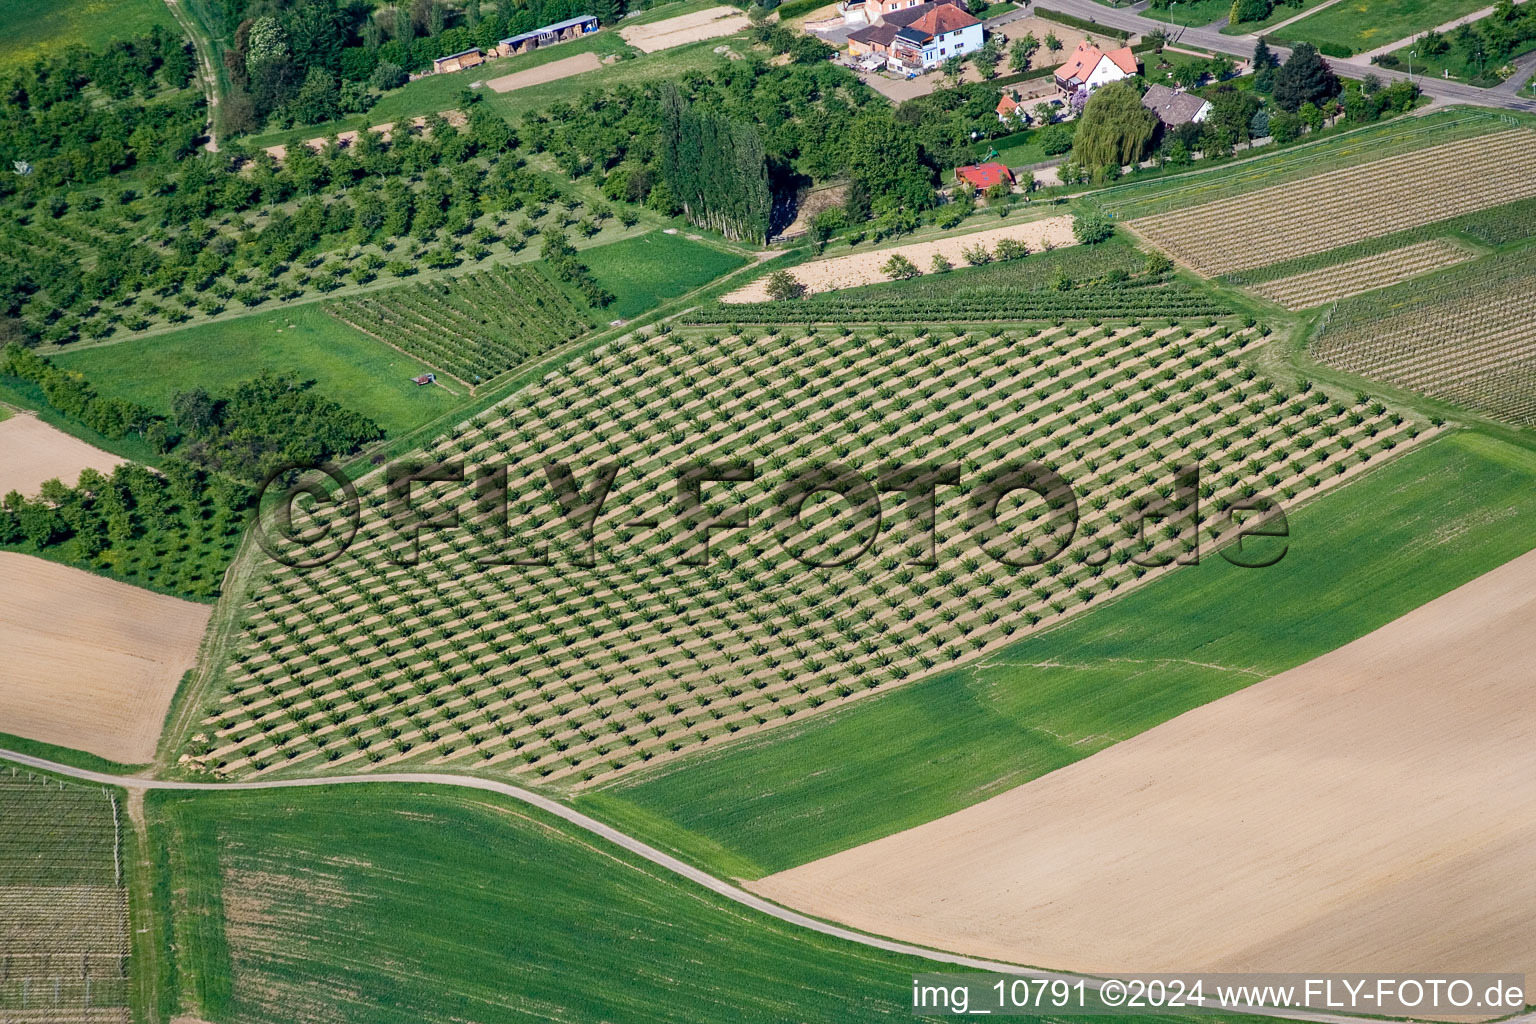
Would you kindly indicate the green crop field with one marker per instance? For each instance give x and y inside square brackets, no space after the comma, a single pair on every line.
[37,28]
[1358,558]
[62,900]
[643,272]
[355,370]
[1357,25]
[559,673]
[411,904]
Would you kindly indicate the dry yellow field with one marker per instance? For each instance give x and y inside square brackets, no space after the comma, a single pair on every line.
[685,28]
[90,663]
[32,453]
[863,268]
[1372,810]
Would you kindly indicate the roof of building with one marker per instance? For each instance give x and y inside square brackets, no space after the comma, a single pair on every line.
[984,175]
[559,26]
[462,53]
[1087,56]
[938,19]
[883,31]
[1173,106]
[1008,105]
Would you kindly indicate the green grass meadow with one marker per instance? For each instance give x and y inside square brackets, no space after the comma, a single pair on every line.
[362,374]
[35,28]
[644,272]
[1366,24]
[393,904]
[1409,532]
[418,905]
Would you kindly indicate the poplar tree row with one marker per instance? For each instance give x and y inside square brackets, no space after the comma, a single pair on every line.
[717,168]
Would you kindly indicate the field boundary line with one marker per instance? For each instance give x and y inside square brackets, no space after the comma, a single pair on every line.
[649,853]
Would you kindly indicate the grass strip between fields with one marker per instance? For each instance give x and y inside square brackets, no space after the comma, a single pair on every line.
[1407,533]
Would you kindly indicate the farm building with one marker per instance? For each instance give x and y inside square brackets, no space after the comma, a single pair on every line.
[984,176]
[915,39]
[458,61]
[1090,67]
[559,32]
[1174,107]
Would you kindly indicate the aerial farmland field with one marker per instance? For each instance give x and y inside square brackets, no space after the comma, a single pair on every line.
[659,544]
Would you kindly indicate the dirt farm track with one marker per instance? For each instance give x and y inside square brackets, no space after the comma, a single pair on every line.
[90,663]
[1372,810]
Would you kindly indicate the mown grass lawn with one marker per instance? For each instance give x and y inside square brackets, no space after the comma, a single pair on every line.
[1357,560]
[643,272]
[38,28]
[1366,24]
[362,374]
[1192,12]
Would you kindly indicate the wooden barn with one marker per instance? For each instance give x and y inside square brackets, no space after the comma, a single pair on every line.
[559,32]
[458,61]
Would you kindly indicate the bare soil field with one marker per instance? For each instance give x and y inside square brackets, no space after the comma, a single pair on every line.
[684,29]
[1374,809]
[32,452]
[864,267]
[553,71]
[91,663]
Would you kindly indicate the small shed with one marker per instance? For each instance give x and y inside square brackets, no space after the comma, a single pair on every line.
[559,32]
[458,61]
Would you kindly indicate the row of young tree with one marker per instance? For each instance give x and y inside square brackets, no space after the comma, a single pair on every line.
[166,240]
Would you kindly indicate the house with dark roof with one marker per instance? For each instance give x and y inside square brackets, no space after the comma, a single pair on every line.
[878,37]
[1174,107]
[1090,67]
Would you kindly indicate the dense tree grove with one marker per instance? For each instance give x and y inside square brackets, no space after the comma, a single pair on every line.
[716,168]
[272,420]
[313,60]
[79,116]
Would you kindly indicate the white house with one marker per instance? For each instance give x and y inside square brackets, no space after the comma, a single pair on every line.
[943,31]
[1090,67]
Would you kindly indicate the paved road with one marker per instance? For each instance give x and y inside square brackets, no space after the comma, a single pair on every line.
[644,851]
[1242,46]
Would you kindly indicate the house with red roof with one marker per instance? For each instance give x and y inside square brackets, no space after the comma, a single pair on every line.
[984,176]
[1011,109]
[1090,67]
[942,31]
